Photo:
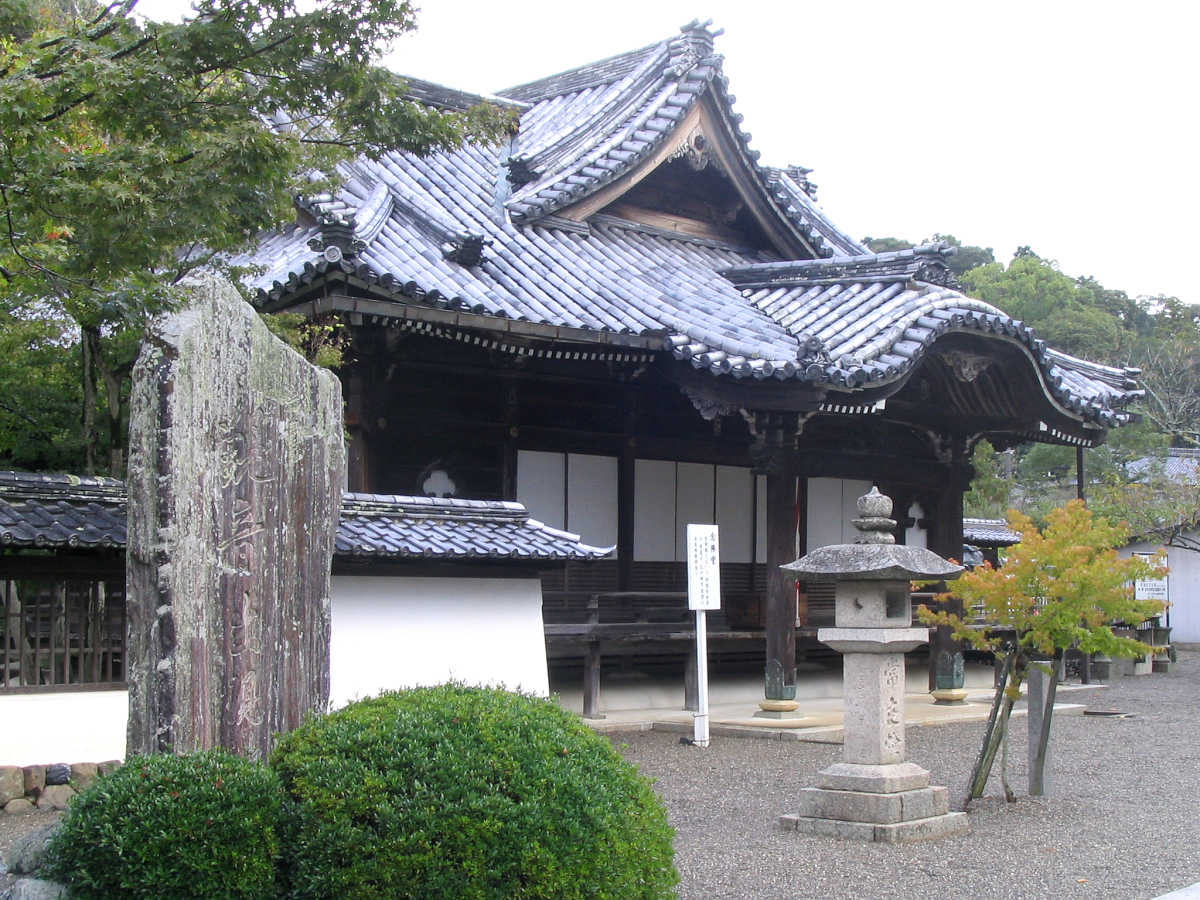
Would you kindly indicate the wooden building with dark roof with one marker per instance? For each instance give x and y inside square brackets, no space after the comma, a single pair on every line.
[621,318]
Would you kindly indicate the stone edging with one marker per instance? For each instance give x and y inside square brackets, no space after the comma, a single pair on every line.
[26,788]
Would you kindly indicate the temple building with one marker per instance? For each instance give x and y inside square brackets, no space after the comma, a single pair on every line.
[622,319]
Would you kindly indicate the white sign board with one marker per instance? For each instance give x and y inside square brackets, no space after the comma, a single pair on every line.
[703,567]
[1150,588]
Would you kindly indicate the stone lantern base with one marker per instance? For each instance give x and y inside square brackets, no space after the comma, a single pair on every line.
[887,804]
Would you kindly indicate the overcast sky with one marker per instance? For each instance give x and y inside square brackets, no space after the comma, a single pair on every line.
[1068,126]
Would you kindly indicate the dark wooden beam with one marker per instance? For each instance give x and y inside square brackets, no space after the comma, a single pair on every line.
[626,475]
[508,449]
[780,606]
[946,539]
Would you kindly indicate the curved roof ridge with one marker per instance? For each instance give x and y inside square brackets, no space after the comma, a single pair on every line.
[618,142]
[802,207]
[926,263]
[553,148]
[602,71]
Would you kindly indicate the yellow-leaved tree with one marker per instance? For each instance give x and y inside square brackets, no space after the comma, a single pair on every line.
[1060,588]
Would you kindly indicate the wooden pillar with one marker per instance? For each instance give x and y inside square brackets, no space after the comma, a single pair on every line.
[626,473]
[591,682]
[1079,475]
[591,666]
[358,463]
[508,450]
[946,539]
[780,606]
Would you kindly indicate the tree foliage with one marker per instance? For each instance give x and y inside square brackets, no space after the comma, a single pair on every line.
[132,152]
[1060,588]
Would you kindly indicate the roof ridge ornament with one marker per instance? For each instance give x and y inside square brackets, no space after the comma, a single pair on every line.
[465,248]
[694,45]
[337,239]
[799,174]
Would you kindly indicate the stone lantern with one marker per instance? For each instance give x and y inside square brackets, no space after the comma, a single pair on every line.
[873,794]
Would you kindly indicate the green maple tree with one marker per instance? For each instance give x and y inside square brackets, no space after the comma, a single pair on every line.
[133,152]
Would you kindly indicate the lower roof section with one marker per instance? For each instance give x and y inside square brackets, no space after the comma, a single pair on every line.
[42,511]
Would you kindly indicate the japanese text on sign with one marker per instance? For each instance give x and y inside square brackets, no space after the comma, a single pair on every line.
[1150,588]
[704,567]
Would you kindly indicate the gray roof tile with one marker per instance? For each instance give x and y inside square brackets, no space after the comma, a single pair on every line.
[67,511]
[989,533]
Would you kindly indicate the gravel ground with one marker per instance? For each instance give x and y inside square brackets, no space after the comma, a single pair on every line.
[1122,818]
[12,827]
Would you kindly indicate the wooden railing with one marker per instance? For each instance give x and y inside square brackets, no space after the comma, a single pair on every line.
[61,634]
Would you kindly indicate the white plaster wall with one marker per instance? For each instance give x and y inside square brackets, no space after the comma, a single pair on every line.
[391,633]
[541,486]
[654,510]
[71,727]
[693,501]
[735,513]
[592,498]
[669,496]
[1183,590]
[916,536]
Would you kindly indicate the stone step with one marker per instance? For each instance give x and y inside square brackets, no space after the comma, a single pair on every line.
[948,825]
[875,809]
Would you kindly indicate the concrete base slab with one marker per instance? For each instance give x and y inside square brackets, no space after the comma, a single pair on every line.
[949,695]
[933,828]
[889,779]
[778,713]
[876,809]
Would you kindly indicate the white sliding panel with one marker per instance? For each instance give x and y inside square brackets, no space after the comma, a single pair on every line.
[693,502]
[654,510]
[851,491]
[760,518]
[592,498]
[823,513]
[541,485]
[735,513]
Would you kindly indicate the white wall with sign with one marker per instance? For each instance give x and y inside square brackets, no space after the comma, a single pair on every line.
[1183,590]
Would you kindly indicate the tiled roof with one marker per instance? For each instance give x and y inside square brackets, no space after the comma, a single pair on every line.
[989,533]
[376,525]
[67,511]
[1179,464]
[479,231]
[63,511]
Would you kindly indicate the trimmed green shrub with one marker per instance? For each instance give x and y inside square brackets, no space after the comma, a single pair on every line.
[201,825]
[466,792]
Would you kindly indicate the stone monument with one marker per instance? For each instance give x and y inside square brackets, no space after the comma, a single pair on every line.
[873,794]
[236,472]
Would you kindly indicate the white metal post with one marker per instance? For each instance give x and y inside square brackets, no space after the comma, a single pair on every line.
[700,737]
[704,593]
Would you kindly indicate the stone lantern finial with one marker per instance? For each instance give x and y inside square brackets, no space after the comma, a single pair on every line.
[873,522]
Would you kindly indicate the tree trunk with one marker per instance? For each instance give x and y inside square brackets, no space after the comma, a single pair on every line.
[87,345]
[997,727]
[97,373]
